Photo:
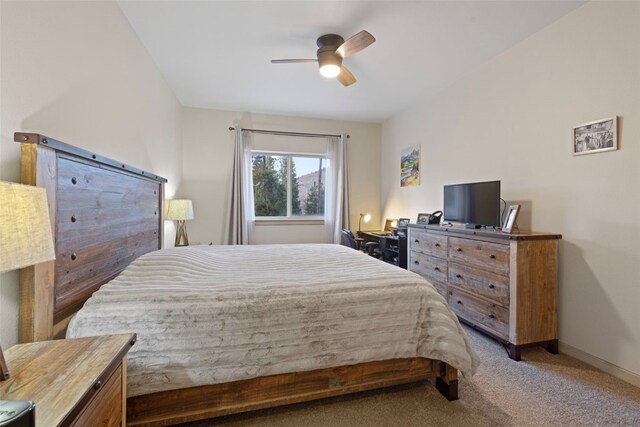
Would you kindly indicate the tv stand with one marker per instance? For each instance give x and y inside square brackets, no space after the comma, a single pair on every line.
[503,284]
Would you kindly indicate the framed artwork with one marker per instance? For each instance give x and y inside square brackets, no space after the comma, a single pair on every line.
[512,217]
[423,218]
[595,137]
[388,223]
[410,166]
[403,222]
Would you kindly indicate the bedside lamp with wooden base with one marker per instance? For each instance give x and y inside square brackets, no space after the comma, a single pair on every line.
[180,211]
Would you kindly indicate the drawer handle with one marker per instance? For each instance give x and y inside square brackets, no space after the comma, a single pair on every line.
[458,276]
[459,249]
[416,241]
[491,316]
[74,256]
[492,256]
[74,180]
[97,385]
[437,269]
[73,218]
[459,302]
[416,262]
[491,286]
[437,245]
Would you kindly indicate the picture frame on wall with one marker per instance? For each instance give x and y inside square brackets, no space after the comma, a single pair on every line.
[423,218]
[410,166]
[596,137]
[512,217]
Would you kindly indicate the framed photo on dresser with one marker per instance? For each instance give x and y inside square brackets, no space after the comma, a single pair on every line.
[423,218]
[510,221]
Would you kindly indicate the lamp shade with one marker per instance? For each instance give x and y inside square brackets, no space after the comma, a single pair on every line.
[25,230]
[179,210]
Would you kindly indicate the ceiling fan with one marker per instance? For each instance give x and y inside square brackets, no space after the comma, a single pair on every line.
[332,50]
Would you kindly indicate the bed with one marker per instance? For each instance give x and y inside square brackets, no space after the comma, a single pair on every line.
[223,329]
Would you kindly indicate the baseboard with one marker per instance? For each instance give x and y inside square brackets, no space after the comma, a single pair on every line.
[603,365]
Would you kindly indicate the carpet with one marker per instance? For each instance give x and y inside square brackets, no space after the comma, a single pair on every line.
[541,390]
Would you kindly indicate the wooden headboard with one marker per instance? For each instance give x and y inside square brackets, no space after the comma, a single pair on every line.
[104,214]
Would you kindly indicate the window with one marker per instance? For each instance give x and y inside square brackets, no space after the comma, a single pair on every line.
[288,185]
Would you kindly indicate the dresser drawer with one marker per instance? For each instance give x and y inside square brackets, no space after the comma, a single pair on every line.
[475,310]
[429,243]
[430,267]
[442,289]
[491,256]
[480,282]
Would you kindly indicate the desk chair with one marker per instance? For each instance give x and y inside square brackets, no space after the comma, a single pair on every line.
[348,239]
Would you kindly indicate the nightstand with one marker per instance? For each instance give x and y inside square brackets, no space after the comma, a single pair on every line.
[74,382]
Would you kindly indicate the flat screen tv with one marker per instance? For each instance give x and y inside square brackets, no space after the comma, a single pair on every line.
[474,204]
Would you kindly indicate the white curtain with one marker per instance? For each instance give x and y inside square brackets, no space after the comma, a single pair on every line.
[241,219]
[336,210]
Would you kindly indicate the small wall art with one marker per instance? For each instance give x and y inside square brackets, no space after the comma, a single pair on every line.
[595,137]
[410,166]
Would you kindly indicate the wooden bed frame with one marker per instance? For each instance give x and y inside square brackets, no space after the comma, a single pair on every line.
[104,214]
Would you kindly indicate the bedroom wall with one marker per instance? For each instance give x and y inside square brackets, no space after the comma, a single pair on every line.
[512,120]
[77,72]
[207,161]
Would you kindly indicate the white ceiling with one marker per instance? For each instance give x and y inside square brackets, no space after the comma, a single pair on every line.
[215,54]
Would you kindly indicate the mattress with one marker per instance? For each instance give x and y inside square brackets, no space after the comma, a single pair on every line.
[214,314]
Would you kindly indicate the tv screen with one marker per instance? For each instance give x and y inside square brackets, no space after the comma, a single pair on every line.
[475,204]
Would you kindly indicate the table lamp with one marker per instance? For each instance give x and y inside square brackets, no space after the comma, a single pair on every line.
[366,217]
[25,233]
[180,211]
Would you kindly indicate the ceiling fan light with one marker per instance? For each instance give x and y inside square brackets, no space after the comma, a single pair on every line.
[329,70]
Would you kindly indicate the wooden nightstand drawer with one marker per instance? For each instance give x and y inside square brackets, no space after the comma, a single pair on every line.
[105,409]
[429,243]
[480,282]
[430,267]
[79,382]
[493,256]
[476,310]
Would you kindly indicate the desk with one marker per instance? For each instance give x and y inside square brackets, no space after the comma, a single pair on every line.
[394,248]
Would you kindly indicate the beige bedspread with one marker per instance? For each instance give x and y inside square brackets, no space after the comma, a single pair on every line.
[214,314]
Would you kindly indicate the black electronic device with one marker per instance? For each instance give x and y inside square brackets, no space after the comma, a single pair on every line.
[435,218]
[17,413]
[475,204]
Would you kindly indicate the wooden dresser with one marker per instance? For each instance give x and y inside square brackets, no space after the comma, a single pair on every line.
[504,285]
[76,382]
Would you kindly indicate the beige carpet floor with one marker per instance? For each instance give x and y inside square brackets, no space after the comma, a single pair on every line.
[541,390]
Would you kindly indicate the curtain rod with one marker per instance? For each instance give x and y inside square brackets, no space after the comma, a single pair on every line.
[278,132]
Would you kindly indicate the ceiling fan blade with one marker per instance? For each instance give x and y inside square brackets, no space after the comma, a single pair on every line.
[291,61]
[345,77]
[355,44]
